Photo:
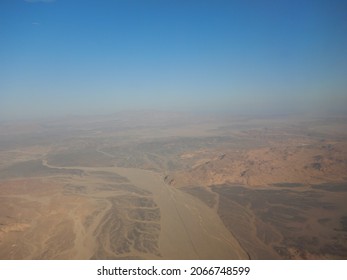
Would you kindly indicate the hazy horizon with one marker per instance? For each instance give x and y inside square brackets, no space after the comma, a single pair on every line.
[60,57]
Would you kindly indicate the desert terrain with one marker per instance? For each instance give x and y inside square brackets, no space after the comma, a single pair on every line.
[156,185]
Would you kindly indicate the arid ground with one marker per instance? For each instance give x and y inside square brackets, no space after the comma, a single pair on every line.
[153,185]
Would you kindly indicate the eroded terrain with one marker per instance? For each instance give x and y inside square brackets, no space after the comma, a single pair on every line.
[160,186]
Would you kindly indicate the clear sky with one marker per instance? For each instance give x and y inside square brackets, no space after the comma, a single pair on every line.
[103,56]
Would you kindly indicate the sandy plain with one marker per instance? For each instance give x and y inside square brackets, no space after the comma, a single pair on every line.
[161,186]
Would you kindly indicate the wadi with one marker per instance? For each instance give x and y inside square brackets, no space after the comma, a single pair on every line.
[159,185]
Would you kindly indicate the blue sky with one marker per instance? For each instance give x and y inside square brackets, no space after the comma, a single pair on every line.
[76,57]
